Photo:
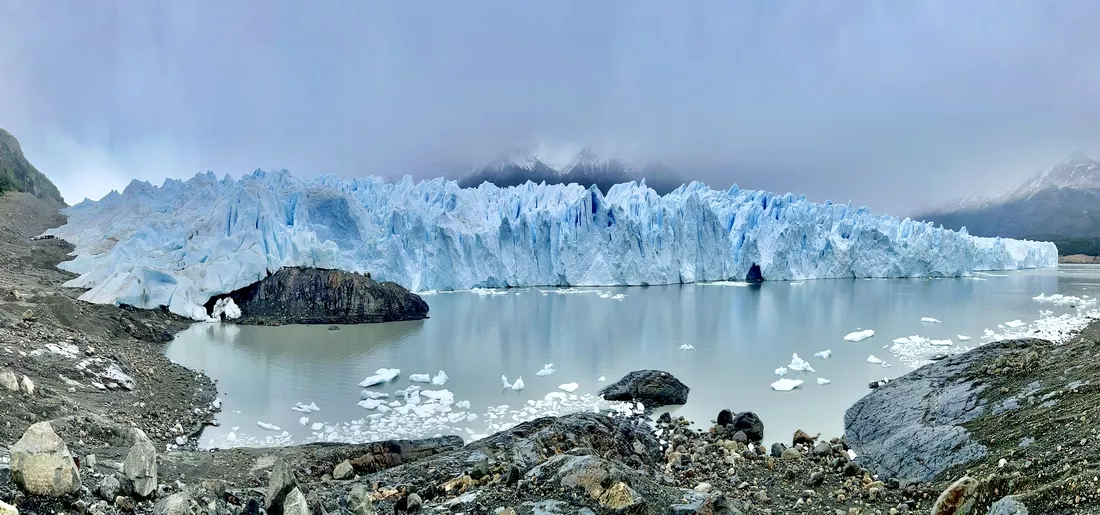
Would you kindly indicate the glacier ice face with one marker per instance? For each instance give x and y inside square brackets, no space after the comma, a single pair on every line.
[182,243]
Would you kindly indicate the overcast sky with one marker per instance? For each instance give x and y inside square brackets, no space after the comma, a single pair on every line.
[893,104]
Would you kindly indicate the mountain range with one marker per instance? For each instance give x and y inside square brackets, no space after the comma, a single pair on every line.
[1059,203]
[516,166]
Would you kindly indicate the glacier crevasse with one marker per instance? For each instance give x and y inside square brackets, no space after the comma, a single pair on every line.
[182,243]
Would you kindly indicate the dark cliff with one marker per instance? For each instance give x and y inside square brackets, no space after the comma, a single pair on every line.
[320,296]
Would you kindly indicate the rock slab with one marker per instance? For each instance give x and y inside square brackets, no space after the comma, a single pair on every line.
[41,463]
[140,465]
[652,388]
[296,295]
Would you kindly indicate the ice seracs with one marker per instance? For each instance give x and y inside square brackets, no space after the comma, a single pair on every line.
[185,242]
[225,306]
[859,336]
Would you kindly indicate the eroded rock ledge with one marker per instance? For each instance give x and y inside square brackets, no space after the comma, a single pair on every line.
[296,295]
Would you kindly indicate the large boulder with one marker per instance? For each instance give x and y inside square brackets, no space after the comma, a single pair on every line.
[321,296]
[750,424]
[359,501]
[652,388]
[295,503]
[140,465]
[279,486]
[41,463]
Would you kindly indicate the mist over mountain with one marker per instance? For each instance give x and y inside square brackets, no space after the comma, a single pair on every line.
[516,166]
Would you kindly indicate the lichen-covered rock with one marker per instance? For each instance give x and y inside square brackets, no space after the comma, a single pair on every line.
[7,509]
[343,470]
[140,465]
[8,380]
[957,499]
[620,498]
[320,296]
[359,501]
[41,463]
[652,388]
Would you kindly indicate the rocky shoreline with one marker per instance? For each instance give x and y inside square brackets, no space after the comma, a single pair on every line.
[1006,428]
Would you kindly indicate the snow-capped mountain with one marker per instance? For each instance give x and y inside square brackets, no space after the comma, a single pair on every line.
[517,166]
[185,242]
[1060,201]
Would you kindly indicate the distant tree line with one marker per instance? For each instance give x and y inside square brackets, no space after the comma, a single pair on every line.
[1070,246]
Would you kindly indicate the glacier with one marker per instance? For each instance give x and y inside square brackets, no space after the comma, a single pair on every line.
[185,242]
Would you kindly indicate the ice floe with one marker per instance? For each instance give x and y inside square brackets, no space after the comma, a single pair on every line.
[440,379]
[859,336]
[1065,300]
[799,364]
[420,378]
[781,371]
[822,380]
[930,320]
[963,338]
[569,387]
[687,347]
[786,385]
[268,427]
[547,369]
[382,375]
[823,354]
[873,360]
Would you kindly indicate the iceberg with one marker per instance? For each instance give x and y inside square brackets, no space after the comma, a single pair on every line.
[185,242]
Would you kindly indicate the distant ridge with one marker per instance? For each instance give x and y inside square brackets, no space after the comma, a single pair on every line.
[1060,202]
[17,174]
[516,166]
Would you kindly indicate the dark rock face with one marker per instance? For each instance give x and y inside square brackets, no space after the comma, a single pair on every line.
[750,424]
[912,427]
[320,296]
[652,388]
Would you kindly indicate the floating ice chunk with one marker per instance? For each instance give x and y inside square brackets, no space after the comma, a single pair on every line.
[317,426]
[226,306]
[302,408]
[303,421]
[462,404]
[1014,324]
[799,364]
[518,385]
[873,360]
[859,336]
[602,379]
[823,354]
[555,396]
[382,375]
[786,385]
[313,407]
[420,378]
[504,382]
[963,338]
[394,404]
[440,379]
[569,387]
[546,370]
[901,341]
[370,403]
[781,371]
[268,427]
[822,380]
[941,343]
[371,394]
[929,320]
[231,437]
[687,347]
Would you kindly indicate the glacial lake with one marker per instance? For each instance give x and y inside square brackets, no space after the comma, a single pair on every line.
[741,334]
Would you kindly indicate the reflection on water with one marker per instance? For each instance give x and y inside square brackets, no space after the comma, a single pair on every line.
[740,334]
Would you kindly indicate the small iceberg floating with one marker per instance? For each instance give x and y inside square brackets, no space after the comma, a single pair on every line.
[822,380]
[930,320]
[547,369]
[420,378]
[317,426]
[823,354]
[687,347]
[874,361]
[440,379]
[504,382]
[268,427]
[1014,324]
[859,336]
[799,364]
[963,338]
[786,385]
[569,387]
[602,379]
[382,375]
[303,421]
[371,394]
[302,408]
[941,343]
[518,384]
[781,371]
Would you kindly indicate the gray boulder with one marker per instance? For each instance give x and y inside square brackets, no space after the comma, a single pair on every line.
[140,465]
[41,463]
[8,380]
[178,503]
[343,470]
[281,483]
[359,501]
[652,388]
[1007,506]
[295,503]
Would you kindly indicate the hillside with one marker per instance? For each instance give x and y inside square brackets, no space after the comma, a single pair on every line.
[1061,204]
[516,166]
[17,174]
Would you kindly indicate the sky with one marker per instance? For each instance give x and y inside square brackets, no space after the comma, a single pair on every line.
[895,105]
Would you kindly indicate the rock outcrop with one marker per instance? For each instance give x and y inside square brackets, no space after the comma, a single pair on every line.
[652,388]
[41,463]
[320,296]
